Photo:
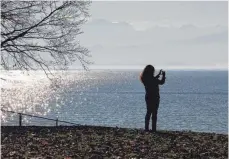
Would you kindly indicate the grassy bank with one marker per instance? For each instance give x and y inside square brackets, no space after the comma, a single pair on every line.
[104,142]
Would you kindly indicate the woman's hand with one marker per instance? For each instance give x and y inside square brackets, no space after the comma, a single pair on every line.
[160,72]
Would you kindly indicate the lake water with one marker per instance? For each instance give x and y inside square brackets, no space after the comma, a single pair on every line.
[190,100]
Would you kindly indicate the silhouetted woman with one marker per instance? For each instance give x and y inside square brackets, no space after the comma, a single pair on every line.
[152,96]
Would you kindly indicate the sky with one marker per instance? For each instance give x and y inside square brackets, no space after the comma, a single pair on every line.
[165,34]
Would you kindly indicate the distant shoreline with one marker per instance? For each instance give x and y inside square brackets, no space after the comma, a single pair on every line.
[131,69]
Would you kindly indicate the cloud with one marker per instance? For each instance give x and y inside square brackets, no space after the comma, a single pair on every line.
[103,25]
[188,27]
[115,33]
[214,38]
[221,37]
[117,43]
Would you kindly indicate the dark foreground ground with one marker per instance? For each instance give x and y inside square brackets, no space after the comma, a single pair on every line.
[103,142]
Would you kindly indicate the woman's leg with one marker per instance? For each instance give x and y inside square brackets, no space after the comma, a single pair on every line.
[154,115]
[147,119]
[148,113]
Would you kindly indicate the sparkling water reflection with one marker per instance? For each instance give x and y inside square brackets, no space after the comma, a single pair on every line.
[189,100]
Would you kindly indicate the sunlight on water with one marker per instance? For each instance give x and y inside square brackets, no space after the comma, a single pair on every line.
[190,100]
[32,92]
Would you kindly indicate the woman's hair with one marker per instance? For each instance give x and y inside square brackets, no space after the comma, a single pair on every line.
[148,72]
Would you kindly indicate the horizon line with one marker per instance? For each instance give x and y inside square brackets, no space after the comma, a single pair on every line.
[139,67]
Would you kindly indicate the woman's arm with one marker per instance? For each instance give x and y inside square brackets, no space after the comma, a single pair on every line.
[162,81]
[158,74]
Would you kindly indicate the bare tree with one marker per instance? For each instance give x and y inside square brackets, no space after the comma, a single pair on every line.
[42,34]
